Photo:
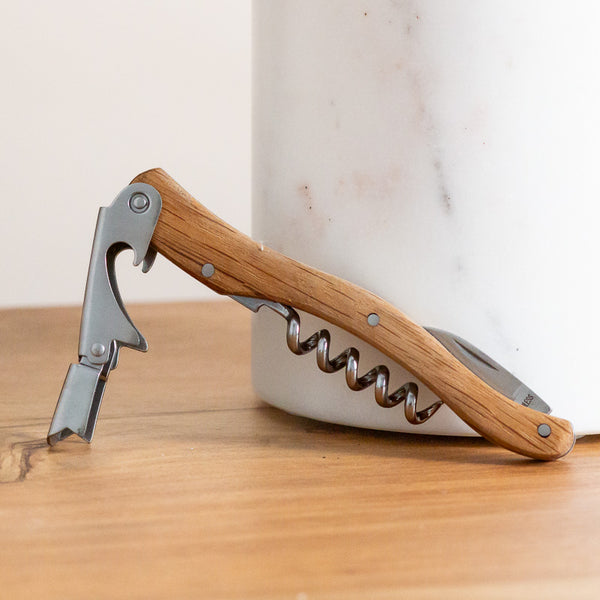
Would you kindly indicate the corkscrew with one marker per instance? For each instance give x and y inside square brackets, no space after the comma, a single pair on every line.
[154,214]
[348,359]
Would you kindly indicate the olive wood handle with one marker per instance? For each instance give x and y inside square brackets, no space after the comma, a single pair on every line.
[190,236]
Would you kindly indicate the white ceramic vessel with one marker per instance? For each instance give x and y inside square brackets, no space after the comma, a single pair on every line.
[444,156]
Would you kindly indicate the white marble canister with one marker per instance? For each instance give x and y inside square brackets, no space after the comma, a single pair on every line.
[444,155]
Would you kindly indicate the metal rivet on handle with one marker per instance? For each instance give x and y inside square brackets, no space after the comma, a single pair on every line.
[208,270]
[544,430]
[373,319]
[98,349]
[139,203]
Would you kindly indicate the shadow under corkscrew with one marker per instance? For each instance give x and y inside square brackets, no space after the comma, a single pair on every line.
[348,359]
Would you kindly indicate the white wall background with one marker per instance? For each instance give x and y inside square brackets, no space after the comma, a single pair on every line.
[93,93]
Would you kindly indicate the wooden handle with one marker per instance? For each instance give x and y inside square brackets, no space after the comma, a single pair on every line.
[190,236]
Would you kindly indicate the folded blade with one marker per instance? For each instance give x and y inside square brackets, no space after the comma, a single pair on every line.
[487,369]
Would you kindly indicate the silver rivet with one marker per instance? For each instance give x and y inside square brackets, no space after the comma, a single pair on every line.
[208,270]
[544,430]
[98,349]
[373,319]
[139,203]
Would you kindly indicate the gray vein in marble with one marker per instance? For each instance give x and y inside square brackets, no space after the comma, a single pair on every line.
[425,114]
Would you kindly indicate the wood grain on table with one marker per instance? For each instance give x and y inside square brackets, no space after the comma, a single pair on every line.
[194,488]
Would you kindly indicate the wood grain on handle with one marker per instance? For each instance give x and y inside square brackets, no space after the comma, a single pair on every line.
[189,235]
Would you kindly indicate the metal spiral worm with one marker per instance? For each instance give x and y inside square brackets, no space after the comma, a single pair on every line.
[349,358]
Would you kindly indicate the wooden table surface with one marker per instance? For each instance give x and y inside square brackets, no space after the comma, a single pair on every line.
[194,488]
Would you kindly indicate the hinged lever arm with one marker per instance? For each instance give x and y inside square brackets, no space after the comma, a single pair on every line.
[128,222]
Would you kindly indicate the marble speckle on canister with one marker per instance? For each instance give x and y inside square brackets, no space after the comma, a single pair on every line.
[442,155]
